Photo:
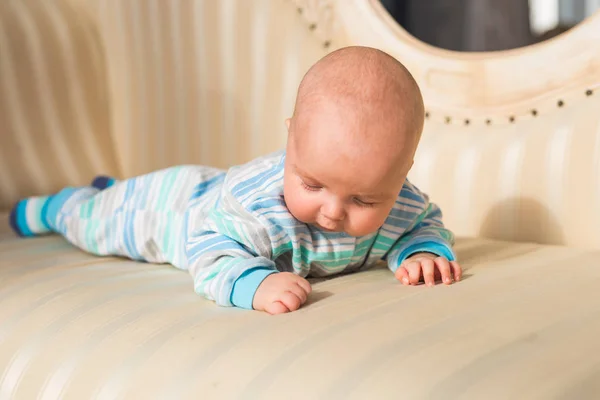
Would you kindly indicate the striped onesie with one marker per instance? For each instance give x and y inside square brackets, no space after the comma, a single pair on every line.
[229,229]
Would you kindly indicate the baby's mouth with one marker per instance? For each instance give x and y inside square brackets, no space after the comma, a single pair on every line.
[336,229]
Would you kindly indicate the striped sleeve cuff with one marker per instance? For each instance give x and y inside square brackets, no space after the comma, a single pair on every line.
[428,247]
[433,246]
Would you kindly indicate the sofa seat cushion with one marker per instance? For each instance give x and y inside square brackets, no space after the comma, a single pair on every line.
[523,323]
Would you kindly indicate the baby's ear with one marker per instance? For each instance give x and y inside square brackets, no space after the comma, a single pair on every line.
[287,123]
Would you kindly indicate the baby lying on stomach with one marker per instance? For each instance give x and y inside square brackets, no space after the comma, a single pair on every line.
[336,200]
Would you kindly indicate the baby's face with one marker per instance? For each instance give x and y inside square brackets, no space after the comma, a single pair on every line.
[338,183]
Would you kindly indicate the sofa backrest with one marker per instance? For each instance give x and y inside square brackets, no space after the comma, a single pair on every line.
[511,147]
[54,109]
[126,87]
[208,82]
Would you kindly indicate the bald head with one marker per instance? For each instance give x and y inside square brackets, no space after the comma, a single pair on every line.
[371,87]
[352,139]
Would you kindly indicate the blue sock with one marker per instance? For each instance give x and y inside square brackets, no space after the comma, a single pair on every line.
[102,182]
[29,216]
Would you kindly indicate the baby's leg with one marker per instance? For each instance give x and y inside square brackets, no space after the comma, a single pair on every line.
[139,218]
[28,217]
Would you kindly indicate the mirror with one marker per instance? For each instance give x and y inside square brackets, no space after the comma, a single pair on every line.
[488,25]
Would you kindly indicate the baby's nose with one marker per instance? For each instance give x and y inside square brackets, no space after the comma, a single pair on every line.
[333,211]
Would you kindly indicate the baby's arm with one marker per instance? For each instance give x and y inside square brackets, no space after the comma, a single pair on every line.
[223,269]
[426,247]
[230,261]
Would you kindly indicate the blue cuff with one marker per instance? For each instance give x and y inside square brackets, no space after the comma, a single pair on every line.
[52,209]
[245,286]
[427,247]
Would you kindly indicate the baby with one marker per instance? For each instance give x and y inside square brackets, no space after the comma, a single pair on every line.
[336,200]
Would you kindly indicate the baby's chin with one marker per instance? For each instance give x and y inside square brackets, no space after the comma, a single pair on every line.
[349,232]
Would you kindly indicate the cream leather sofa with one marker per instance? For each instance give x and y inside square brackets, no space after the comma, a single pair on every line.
[511,152]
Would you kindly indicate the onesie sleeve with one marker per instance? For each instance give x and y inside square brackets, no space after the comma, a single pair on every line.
[229,255]
[426,234]
[231,251]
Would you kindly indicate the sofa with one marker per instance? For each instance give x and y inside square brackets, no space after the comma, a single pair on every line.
[510,152]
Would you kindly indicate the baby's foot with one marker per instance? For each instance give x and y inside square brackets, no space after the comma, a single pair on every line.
[29,216]
[102,182]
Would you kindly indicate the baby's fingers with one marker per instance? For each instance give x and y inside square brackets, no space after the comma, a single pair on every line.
[428,271]
[290,300]
[276,307]
[444,267]
[299,291]
[402,275]
[457,270]
[414,272]
[304,284]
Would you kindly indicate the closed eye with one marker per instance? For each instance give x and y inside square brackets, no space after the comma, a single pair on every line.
[311,188]
[362,203]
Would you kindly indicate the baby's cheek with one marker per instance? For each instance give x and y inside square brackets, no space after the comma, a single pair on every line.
[299,206]
[366,222]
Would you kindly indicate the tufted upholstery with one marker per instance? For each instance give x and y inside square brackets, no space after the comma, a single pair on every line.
[511,151]
[511,148]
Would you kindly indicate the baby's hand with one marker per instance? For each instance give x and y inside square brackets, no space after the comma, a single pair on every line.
[281,292]
[429,268]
